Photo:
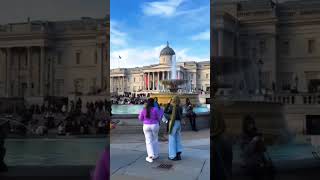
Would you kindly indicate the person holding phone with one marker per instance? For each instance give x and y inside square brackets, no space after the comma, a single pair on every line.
[253,149]
[150,116]
[175,111]
[191,114]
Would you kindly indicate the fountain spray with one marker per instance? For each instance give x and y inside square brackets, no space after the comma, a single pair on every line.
[173,67]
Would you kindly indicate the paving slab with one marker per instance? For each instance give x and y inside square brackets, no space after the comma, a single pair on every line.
[128,159]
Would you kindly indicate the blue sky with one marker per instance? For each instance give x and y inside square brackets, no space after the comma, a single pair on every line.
[141,28]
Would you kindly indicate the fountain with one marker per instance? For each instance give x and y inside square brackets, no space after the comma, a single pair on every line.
[173,86]
[240,102]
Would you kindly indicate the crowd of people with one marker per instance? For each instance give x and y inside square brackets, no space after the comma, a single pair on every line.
[63,119]
[129,99]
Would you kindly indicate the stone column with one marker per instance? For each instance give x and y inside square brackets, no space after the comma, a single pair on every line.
[158,83]
[273,59]
[220,39]
[111,85]
[149,75]
[42,71]
[8,71]
[29,74]
[142,78]
[153,81]
[99,66]
[123,83]
[145,81]
[105,73]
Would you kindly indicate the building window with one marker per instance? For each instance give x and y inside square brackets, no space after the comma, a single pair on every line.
[94,82]
[78,58]
[59,58]
[286,47]
[254,52]
[311,46]
[26,60]
[262,46]
[134,79]
[244,48]
[59,86]
[207,76]
[78,85]
[95,57]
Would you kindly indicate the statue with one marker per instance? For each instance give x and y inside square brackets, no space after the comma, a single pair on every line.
[4,128]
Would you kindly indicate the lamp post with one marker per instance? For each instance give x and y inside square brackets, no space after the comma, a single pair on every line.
[260,64]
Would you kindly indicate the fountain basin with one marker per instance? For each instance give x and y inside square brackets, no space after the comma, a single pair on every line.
[268,115]
[129,123]
[163,98]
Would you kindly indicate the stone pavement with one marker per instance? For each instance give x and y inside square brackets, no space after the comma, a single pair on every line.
[128,153]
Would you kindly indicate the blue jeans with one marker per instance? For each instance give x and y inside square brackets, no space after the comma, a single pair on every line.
[175,140]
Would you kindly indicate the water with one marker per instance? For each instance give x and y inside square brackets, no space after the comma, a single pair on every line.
[284,152]
[174,68]
[135,109]
[51,152]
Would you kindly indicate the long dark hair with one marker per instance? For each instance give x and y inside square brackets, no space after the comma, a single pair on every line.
[188,101]
[150,104]
[249,120]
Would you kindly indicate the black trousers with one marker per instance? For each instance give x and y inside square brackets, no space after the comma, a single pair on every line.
[192,119]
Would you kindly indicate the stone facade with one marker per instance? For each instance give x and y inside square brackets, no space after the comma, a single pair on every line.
[284,36]
[39,58]
[146,79]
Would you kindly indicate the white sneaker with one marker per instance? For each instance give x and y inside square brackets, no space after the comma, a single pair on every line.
[155,157]
[150,160]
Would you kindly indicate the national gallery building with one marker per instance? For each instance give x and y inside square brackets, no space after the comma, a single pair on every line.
[147,79]
[263,42]
[41,58]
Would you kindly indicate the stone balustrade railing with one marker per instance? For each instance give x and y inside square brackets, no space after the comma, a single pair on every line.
[296,99]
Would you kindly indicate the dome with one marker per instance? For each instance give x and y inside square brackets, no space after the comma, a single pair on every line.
[167,51]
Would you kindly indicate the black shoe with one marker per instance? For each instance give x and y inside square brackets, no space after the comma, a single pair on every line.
[178,156]
[174,159]
[3,168]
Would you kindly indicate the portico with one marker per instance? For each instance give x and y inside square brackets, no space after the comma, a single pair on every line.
[152,79]
[38,60]
[25,70]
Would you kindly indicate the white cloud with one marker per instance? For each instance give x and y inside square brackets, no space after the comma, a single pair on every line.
[205,35]
[183,56]
[135,57]
[165,8]
[117,37]
[138,57]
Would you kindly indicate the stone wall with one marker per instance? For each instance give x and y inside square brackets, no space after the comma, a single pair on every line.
[131,124]
[269,118]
